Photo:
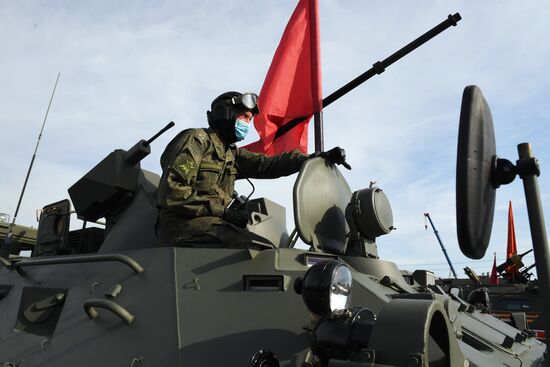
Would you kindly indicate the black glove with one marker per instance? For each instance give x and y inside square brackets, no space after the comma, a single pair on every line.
[236,217]
[336,155]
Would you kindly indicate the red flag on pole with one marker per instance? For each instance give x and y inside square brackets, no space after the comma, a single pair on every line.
[511,248]
[292,87]
[493,278]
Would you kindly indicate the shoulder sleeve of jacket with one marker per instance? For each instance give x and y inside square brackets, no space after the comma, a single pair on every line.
[258,165]
[193,140]
[180,167]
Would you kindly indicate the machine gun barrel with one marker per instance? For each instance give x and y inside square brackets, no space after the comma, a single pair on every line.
[170,125]
[142,148]
[378,68]
[526,270]
[525,253]
[107,187]
[512,261]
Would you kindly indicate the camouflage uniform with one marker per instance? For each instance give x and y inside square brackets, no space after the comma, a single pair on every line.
[198,183]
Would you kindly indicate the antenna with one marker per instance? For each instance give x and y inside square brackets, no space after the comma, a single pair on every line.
[7,241]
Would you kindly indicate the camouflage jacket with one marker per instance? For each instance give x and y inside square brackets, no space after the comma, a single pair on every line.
[198,173]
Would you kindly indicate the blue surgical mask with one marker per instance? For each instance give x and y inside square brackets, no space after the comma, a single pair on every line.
[241,129]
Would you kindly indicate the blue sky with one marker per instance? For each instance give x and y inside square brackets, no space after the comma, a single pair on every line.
[129,67]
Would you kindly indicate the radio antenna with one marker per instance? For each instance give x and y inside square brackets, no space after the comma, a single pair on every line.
[7,241]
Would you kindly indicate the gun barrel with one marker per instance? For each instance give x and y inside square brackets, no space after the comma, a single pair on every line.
[510,261]
[137,152]
[162,131]
[524,271]
[142,148]
[525,253]
[378,68]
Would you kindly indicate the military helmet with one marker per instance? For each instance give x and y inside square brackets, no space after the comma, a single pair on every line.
[228,105]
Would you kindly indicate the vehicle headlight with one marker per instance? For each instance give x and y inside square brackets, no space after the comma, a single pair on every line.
[326,287]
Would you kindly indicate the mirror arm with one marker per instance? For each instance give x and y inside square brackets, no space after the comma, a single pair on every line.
[503,172]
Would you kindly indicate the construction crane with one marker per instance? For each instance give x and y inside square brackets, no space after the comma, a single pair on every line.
[427,215]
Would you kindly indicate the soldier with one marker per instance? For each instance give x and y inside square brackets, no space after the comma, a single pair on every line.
[199,168]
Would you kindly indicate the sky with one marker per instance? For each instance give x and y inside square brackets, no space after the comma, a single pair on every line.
[129,67]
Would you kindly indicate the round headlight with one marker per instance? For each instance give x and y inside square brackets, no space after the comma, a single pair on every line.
[372,212]
[340,288]
[326,287]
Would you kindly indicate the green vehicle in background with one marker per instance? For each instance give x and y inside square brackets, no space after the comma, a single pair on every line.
[23,238]
[515,300]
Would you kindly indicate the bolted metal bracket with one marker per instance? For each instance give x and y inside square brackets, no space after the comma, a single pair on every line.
[503,172]
[528,166]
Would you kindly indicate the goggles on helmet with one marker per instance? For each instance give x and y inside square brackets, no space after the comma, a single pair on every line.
[248,100]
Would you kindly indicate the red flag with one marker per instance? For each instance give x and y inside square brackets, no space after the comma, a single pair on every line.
[292,87]
[511,248]
[493,279]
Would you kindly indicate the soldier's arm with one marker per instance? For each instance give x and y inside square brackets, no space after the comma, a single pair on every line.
[258,165]
[181,196]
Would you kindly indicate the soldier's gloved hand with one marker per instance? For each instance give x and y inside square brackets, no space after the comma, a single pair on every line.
[336,155]
[236,217]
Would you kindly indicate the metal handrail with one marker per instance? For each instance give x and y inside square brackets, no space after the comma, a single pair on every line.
[126,260]
[91,305]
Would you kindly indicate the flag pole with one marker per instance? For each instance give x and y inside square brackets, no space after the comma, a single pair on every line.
[318,125]
[316,92]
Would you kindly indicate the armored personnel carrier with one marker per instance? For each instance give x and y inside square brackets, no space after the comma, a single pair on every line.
[120,298]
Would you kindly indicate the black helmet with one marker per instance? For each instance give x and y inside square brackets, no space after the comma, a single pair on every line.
[226,107]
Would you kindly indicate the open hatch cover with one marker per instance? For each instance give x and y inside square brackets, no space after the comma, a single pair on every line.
[321,195]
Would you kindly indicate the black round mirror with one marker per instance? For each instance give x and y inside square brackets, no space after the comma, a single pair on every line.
[476,158]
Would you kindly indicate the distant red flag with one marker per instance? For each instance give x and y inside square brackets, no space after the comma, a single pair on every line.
[511,248]
[292,87]
[493,279]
